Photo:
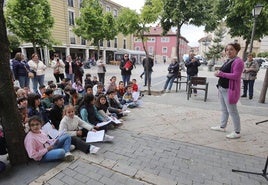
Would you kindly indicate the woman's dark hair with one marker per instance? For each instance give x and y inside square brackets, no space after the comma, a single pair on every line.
[34,118]
[21,99]
[88,98]
[31,99]
[98,104]
[235,45]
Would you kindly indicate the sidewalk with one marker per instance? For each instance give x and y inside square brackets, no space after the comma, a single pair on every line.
[168,141]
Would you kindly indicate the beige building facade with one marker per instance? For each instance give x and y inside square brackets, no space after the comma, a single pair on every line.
[65,12]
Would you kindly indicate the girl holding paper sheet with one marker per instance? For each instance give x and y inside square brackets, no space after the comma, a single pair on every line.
[40,148]
[71,123]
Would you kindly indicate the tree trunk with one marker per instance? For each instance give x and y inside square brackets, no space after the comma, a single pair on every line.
[146,64]
[178,43]
[264,88]
[10,118]
[34,47]
[245,51]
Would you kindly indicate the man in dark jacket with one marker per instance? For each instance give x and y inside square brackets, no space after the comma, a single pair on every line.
[148,67]
[192,64]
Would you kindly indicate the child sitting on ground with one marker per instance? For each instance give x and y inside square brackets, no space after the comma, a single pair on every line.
[128,97]
[40,148]
[71,123]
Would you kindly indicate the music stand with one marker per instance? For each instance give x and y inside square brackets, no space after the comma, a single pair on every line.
[264,171]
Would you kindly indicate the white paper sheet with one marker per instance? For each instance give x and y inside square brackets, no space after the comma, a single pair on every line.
[52,132]
[95,136]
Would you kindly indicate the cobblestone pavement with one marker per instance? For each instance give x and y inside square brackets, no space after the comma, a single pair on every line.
[168,141]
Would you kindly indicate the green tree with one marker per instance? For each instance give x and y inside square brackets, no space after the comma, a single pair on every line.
[9,115]
[215,51]
[130,22]
[14,42]
[239,19]
[195,12]
[93,24]
[31,21]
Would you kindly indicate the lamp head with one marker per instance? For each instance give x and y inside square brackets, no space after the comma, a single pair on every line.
[257,10]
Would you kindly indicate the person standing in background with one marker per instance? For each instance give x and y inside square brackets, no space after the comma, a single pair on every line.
[58,66]
[148,67]
[192,64]
[38,67]
[229,89]
[126,66]
[101,69]
[69,68]
[20,70]
[249,76]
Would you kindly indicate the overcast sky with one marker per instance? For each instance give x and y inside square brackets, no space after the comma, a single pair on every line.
[191,33]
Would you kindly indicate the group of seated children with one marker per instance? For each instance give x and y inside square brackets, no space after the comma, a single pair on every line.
[73,110]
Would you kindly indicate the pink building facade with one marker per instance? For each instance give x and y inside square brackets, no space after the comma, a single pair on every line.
[161,47]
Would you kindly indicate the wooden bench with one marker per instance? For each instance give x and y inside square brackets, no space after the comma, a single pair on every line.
[180,80]
[197,83]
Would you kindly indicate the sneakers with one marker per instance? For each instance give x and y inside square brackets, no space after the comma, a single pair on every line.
[68,157]
[93,149]
[108,138]
[72,147]
[168,91]
[233,135]
[218,128]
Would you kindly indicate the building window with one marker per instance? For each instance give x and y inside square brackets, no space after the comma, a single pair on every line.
[125,44]
[71,18]
[151,39]
[115,13]
[83,41]
[108,43]
[108,9]
[137,39]
[71,3]
[115,42]
[101,43]
[164,39]
[164,49]
[72,40]
[151,50]
[80,3]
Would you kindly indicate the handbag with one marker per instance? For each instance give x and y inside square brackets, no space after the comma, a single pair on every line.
[104,68]
[169,75]
[30,73]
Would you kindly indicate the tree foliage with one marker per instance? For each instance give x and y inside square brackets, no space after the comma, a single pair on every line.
[93,24]
[215,51]
[30,20]
[130,22]
[195,12]
[14,42]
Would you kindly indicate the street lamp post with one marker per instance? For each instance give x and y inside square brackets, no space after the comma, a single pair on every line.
[255,12]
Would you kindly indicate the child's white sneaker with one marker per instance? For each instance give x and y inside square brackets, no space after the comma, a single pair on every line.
[68,157]
[108,138]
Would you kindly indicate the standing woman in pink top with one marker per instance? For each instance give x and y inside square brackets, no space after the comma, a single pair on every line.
[229,85]
[40,148]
